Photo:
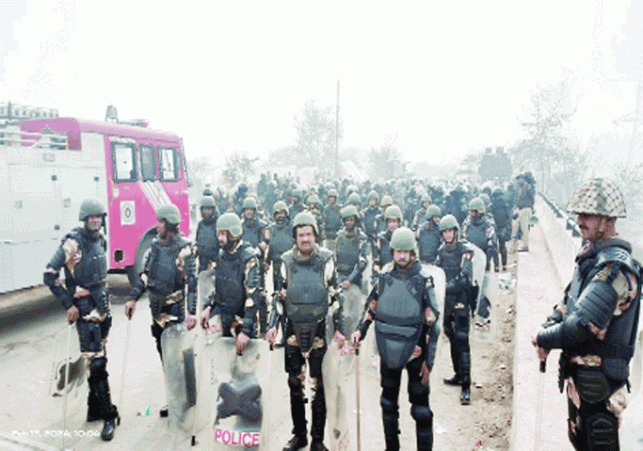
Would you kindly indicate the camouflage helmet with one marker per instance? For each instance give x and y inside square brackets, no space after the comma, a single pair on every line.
[350,189]
[332,193]
[477,204]
[433,211]
[280,205]
[207,201]
[354,199]
[387,201]
[169,213]
[426,198]
[348,211]
[313,199]
[91,207]
[373,195]
[598,197]
[449,222]
[393,212]
[230,222]
[297,192]
[304,218]
[485,198]
[403,239]
[249,202]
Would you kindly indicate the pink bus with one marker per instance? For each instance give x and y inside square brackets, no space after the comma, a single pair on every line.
[53,164]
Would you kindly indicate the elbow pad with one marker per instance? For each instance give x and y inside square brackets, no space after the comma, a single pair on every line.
[597,303]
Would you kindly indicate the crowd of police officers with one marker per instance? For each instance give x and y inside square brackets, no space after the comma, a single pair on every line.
[317,244]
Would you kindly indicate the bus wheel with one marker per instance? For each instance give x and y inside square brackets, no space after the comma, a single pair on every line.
[133,272]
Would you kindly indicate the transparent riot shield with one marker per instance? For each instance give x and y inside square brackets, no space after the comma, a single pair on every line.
[439,282]
[338,372]
[65,402]
[179,372]
[205,285]
[239,394]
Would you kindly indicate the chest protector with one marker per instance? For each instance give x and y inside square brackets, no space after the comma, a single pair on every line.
[385,248]
[450,260]
[281,240]
[347,252]
[229,279]
[252,232]
[165,277]
[399,320]
[91,270]
[369,220]
[617,348]
[307,295]
[477,235]
[206,238]
[332,221]
[429,241]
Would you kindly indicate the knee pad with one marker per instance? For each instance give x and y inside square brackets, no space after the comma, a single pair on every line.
[418,393]
[421,414]
[601,430]
[388,406]
[98,368]
[294,383]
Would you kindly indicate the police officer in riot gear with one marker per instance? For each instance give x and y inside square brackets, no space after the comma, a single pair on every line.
[381,247]
[380,221]
[502,216]
[206,234]
[169,267]
[428,234]
[237,284]
[404,308]
[422,214]
[296,202]
[596,325]
[313,205]
[351,249]
[84,296]
[454,257]
[281,239]
[308,282]
[255,234]
[370,214]
[331,219]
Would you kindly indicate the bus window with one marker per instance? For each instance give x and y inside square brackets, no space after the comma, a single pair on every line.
[148,163]
[124,162]
[169,164]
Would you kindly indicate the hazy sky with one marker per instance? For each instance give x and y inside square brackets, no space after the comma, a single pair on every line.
[446,77]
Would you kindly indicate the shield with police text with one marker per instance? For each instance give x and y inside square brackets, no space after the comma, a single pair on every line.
[179,371]
[479,263]
[338,370]
[67,378]
[238,387]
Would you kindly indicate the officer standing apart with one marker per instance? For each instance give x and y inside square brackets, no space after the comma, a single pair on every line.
[237,284]
[405,310]
[596,325]
[309,280]
[454,257]
[523,205]
[206,234]
[84,297]
[169,267]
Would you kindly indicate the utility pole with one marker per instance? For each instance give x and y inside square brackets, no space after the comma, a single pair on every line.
[337,174]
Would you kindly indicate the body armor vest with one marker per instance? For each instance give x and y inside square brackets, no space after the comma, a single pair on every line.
[206,238]
[369,221]
[307,295]
[477,234]
[347,252]
[229,279]
[385,248]
[450,260]
[164,276]
[252,232]
[91,270]
[332,221]
[617,348]
[399,320]
[280,241]
[429,241]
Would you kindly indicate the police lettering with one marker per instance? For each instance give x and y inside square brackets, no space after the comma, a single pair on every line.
[236,437]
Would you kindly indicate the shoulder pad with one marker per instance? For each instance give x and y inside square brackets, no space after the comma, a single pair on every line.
[74,234]
[324,253]
[388,267]
[617,254]
[183,241]
[286,257]
[247,252]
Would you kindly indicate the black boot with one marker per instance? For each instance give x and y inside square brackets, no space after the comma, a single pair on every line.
[296,442]
[465,396]
[455,380]
[93,406]
[108,430]
[163,413]
[317,446]
[455,360]
[465,362]
[423,426]
[318,408]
